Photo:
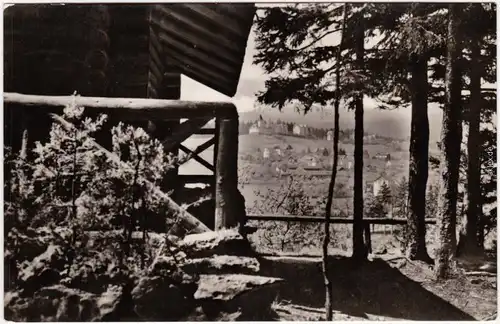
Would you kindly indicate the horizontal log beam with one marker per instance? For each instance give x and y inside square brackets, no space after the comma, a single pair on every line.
[483,89]
[333,220]
[205,131]
[128,108]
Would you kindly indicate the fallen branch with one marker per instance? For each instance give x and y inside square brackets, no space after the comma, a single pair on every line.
[308,309]
[480,274]
[187,221]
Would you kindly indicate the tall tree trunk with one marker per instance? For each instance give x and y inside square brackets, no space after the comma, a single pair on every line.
[468,243]
[419,162]
[451,135]
[359,250]
[331,187]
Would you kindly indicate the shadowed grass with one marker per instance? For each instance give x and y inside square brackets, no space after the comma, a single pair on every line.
[373,288]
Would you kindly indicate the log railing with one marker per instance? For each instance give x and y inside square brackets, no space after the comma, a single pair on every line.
[333,220]
[225,175]
[337,220]
[129,108]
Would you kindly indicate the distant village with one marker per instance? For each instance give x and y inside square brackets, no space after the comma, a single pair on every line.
[279,161]
[279,127]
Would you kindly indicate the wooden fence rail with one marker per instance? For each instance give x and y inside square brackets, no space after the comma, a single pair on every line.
[337,220]
[333,220]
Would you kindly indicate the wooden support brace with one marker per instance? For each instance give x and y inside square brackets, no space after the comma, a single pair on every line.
[205,146]
[226,174]
[197,158]
[183,131]
[200,149]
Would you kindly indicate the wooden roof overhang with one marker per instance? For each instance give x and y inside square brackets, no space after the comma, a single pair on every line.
[104,50]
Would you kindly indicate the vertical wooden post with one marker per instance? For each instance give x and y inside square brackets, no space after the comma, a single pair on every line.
[368,240]
[226,175]
[216,150]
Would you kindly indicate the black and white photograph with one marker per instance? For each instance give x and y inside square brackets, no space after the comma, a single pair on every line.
[249,161]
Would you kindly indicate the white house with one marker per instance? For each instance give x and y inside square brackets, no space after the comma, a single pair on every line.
[309,161]
[304,130]
[382,156]
[300,130]
[296,130]
[254,129]
[341,161]
[266,154]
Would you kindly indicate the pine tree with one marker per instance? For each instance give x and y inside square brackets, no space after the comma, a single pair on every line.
[480,25]
[400,199]
[359,250]
[450,148]
[385,194]
[289,41]
[411,36]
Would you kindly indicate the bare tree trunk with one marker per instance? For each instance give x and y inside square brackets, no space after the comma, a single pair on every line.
[468,243]
[419,162]
[359,250]
[331,187]
[451,136]
[228,211]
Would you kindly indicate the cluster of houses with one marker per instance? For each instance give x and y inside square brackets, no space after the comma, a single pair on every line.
[263,127]
[281,128]
[318,165]
[313,159]
[373,184]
